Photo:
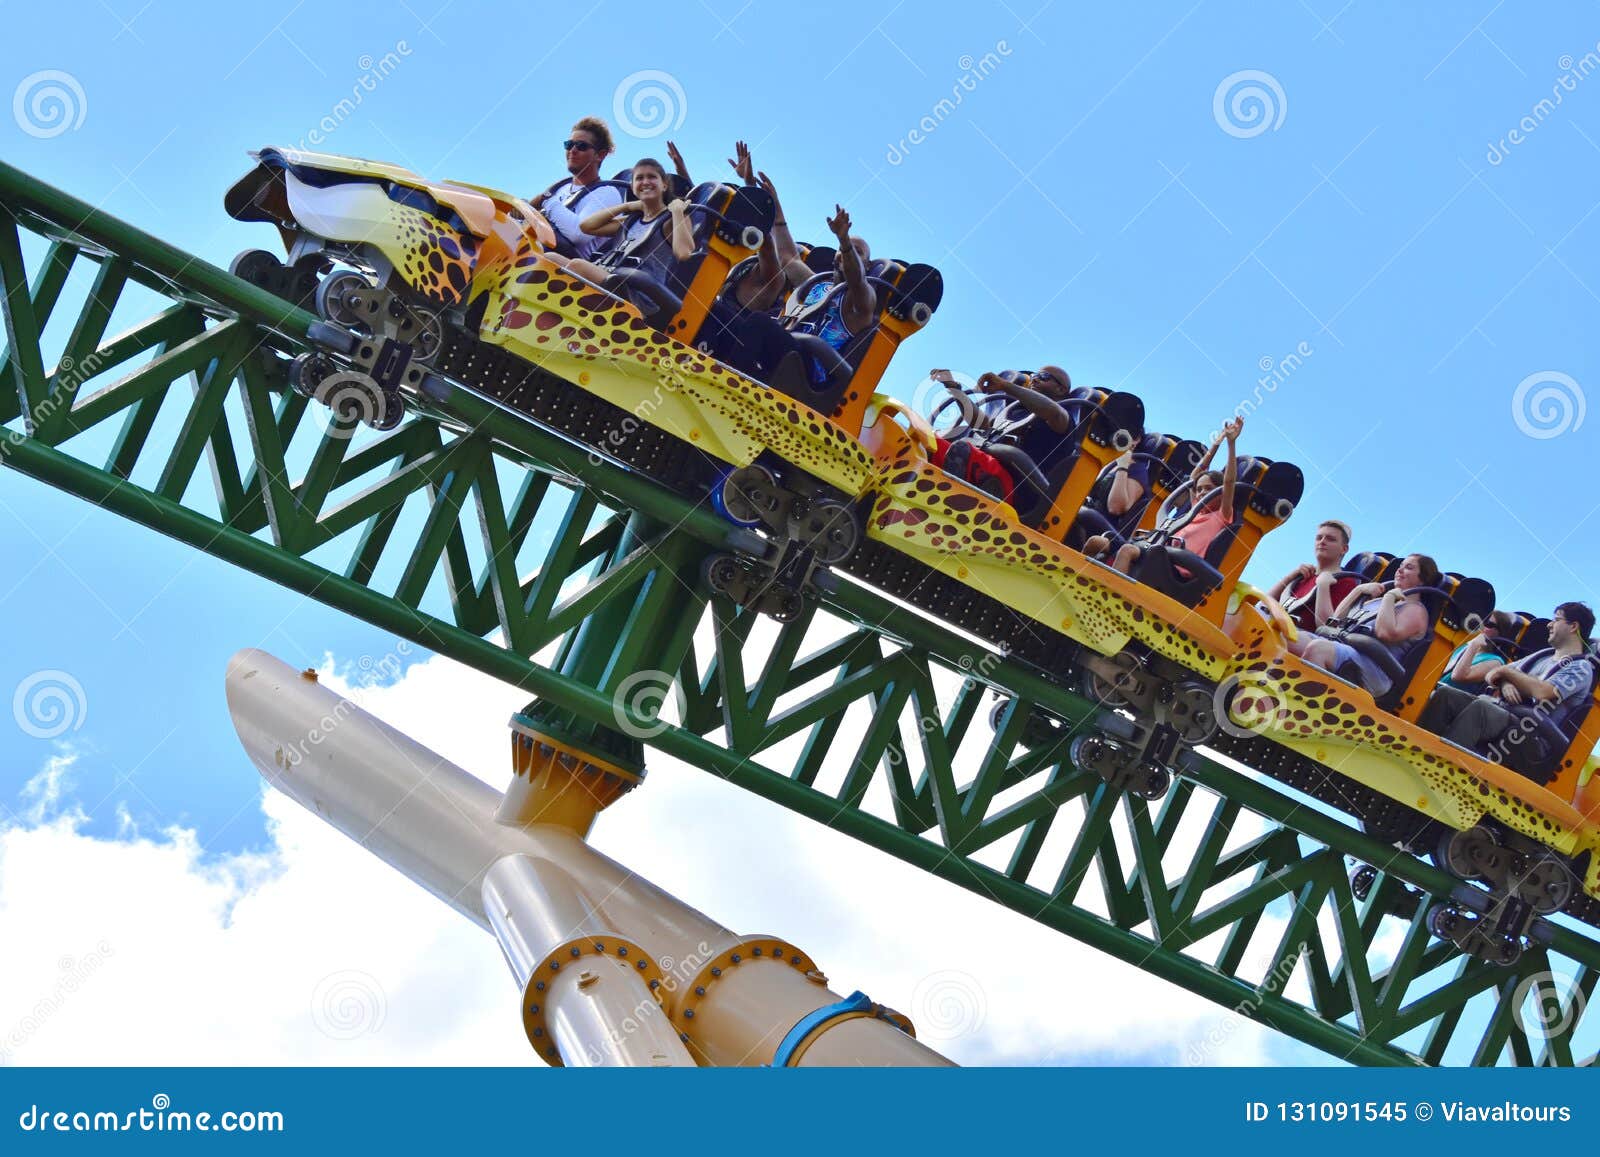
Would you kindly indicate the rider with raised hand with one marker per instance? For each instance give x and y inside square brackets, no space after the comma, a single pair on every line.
[839,318]
[1197,535]
[1004,457]
[1127,488]
[684,182]
[779,268]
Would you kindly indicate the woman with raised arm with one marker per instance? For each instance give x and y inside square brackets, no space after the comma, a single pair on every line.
[1213,517]
[1128,488]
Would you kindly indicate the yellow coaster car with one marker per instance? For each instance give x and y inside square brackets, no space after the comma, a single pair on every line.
[425,287]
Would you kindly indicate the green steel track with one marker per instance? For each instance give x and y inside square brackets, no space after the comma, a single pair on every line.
[516,539]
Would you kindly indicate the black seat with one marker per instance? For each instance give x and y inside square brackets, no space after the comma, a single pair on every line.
[1529,633]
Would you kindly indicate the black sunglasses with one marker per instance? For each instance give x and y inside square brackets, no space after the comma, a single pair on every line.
[581,146]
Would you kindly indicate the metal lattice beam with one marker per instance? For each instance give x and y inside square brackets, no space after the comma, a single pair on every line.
[862,714]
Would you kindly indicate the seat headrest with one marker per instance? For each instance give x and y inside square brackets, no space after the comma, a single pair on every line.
[1471,601]
[1278,488]
[818,258]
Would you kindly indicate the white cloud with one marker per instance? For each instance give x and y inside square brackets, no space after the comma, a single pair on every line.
[141,950]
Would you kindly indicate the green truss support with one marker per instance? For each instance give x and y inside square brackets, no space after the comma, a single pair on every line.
[477,534]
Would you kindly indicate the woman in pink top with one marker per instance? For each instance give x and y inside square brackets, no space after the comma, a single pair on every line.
[1202,530]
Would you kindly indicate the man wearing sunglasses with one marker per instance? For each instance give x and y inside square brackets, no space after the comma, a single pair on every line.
[566,203]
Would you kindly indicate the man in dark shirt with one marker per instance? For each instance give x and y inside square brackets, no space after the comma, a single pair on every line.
[1533,706]
[1048,442]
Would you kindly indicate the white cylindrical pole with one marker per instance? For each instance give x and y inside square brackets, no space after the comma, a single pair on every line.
[583,962]
[596,1006]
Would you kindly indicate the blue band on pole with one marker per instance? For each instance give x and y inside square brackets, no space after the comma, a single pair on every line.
[856,1002]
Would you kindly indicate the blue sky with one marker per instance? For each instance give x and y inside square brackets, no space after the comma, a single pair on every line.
[1086,200]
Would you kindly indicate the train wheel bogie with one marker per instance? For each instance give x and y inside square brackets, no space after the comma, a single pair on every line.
[1152,781]
[1361,881]
[831,530]
[1446,921]
[1475,854]
[307,372]
[348,298]
[1190,710]
[1546,883]
[751,496]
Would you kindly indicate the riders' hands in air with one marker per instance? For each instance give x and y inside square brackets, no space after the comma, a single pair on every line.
[1232,429]
[677,160]
[943,377]
[742,164]
[772,191]
[839,224]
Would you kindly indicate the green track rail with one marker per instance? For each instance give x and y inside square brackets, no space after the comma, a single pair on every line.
[475,533]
